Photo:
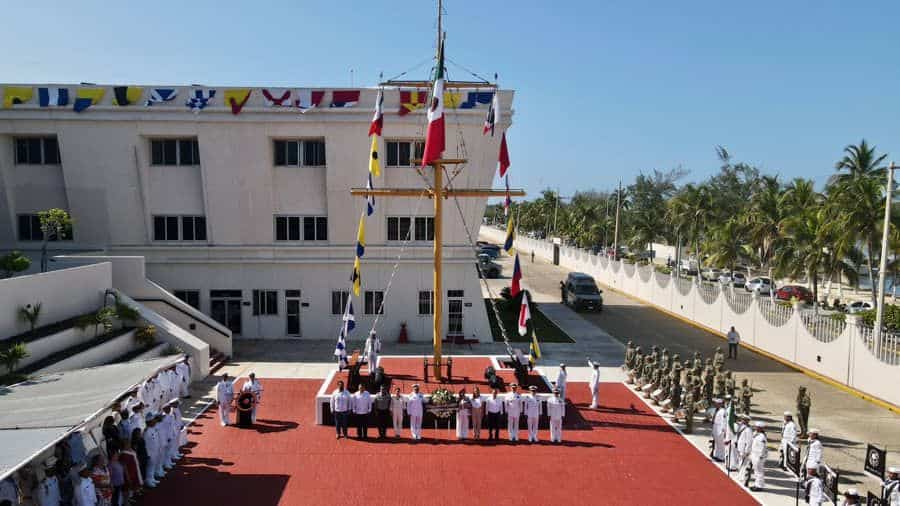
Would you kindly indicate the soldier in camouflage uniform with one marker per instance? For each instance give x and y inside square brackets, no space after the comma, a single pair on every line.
[719,385]
[689,412]
[697,366]
[629,356]
[664,360]
[746,395]
[719,357]
[729,384]
[636,364]
[708,382]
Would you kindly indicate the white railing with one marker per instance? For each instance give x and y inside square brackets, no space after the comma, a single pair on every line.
[645,272]
[844,351]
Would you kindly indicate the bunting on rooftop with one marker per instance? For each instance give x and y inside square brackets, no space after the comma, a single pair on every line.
[126,95]
[411,101]
[308,99]
[160,95]
[274,99]
[237,99]
[199,99]
[15,95]
[344,98]
[53,97]
[86,97]
[477,97]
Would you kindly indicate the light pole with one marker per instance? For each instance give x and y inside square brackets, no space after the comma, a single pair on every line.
[882,262]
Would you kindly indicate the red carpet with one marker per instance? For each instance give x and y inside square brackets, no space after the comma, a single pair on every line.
[621,454]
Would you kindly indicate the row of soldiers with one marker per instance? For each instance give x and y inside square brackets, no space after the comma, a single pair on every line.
[683,388]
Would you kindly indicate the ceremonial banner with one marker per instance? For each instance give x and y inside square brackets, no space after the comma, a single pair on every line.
[475,98]
[872,499]
[86,97]
[510,236]
[434,135]
[160,95]
[344,98]
[274,99]
[53,97]
[199,99]
[411,101]
[308,99]
[534,351]
[516,286]
[126,95]
[237,99]
[830,483]
[503,158]
[507,202]
[378,119]
[524,315]
[875,461]
[15,95]
[793,459]
[349,323]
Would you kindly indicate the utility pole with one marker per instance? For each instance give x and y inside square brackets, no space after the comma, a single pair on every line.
[618,208]
[882,262]
[556,210]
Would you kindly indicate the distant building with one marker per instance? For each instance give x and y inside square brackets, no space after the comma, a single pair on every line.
[248,217]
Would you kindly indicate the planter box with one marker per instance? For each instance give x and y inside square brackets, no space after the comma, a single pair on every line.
[98,355]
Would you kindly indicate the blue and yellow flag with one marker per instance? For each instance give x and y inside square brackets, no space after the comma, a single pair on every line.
[361,237]
[534,351]
[126,95]
[356,278]
[86,97]
[14,95]
[374,163]
[452,99]
[510,237]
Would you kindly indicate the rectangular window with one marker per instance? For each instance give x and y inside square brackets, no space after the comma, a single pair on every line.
[191,297]
[179,228]
[265,302]
[37,151]
[374,302]
[455,294]
[424,228]
[296,153]
[399,228]
[426,303]
[292,293]
[339,301]
[226,294]
[288,228]
[314,153]
[29,226]
[402,153]
[174,152]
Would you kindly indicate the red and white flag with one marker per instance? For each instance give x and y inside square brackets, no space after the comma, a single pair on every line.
[493,114]
[434,137]
[503,159]
[507,202]
[524,315]
[273,99]
[378,119]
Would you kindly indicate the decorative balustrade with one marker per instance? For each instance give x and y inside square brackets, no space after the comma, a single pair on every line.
[645,272]
[683,285]
[629,269]
[738,300]
[824,327]
[888,352]
[662,280]
[777,314]
[709,292]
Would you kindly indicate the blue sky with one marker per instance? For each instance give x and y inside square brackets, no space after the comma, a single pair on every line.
[604,90]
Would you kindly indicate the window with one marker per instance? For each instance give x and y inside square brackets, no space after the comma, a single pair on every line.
[191,297]
[374,302]
[179,228]
[265,302]
[399,228]
[402,153]
[339,301]
[426,303]
[292,152]
[455,294]
[37,151]
[288,228]
[174,152]
[30,230]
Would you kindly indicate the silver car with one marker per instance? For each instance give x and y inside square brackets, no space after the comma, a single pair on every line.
[761,285]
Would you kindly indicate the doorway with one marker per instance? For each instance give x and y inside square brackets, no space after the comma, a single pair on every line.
[455,313]
[225,308]
[292,310]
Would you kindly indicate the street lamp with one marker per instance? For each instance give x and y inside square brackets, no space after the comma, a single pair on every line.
[882,262]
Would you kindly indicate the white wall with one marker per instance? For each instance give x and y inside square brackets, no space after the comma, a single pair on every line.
[845,358]
[97,355]
[64,294]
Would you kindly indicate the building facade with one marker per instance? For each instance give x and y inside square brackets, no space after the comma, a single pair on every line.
[249,216]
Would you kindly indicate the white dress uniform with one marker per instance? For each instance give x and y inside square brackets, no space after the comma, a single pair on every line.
[561,379]
[48,492]
[415,408]
[85,493]
[758,453]
[224,394]
[815,491]
[891,490]
[372,348]
[532,415]
[183,371]
[595,385]
[463,415]
[788,436]
[718,434]
[513,407]
[398,405]
[741,447]
[556,410]
[814,454]
[256,388]
[173,386]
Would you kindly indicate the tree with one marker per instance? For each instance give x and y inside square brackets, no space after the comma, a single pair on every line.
[727,244]
[30,314]
[13,263]
[13,355]
[55,224]
[690,211]
[763,218]
[805,226]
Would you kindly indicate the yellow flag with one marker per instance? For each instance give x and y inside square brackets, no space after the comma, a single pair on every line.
[510,237]
[374,163]
[126,95]
[361,237]
[355,278]
[236,99]
[13,95]
[452,100]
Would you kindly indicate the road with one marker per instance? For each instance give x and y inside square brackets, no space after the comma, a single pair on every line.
[847,422]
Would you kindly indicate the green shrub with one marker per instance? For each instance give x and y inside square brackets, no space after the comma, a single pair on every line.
[891,317]
[12,355]
[126,313]
[13,263]
[146,335]
[30,314]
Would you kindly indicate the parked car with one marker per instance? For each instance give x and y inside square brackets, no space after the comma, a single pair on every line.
[788,292]
[735,278]
[711,274]
[859,306]
[582,292]
[491,252]
[761,285]
[489,268]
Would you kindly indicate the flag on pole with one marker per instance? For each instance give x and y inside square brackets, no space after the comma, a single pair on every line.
[516,286]
[160,95]
[493,115]
[374,164]
[86,97]
[534,351]
[378,119]
[349,323]
[277,101]
[434,136]
[507,202]
[370,199]
[308,99]
[503,159]
[237,99]
[126,95]
[510,236]
[361,237]
[53,96]
[524,315]
[356,278]
[15,95]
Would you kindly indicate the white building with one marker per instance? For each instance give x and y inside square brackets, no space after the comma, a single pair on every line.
[248,217]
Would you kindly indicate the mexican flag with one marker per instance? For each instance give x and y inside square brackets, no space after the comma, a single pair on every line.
[434,137]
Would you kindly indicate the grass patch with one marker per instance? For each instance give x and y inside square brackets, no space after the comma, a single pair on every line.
[546,330]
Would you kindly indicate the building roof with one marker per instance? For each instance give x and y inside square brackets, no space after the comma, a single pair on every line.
[37,413]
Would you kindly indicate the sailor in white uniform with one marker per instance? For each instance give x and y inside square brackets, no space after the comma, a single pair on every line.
[718,432]
[372,348]
[513,407]
[556,410]
[815,489]
[561,379]
[183,372]
[253,386]
[814,450]
[758,454]
[225,396]
[740,448]
[891,487]
[532,413]
[595,384]
[415,408]
[788,436]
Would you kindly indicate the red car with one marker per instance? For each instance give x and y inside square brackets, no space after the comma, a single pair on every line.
[798,292]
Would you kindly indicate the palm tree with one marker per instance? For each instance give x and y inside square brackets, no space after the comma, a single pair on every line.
[690,211]
[727,244]
[860,161]
[804,252]
[763,219]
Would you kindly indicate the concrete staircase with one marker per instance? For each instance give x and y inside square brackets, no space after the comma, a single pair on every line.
[217,360]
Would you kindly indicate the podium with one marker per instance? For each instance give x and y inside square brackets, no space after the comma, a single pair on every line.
[245,404]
